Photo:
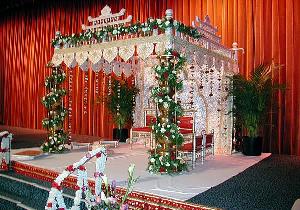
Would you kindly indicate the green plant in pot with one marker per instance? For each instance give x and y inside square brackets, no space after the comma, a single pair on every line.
[121,104]
[251,100]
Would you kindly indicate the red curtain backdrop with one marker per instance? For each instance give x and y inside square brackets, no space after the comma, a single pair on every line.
[267,30]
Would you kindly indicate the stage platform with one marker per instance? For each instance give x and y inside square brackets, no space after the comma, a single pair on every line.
[180,187]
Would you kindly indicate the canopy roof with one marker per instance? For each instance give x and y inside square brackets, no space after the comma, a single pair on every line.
[110,38]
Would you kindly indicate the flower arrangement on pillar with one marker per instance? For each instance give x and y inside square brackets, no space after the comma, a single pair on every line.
[56,111]
[164,159]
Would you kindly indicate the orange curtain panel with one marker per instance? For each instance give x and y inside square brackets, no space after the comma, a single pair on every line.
[268,30]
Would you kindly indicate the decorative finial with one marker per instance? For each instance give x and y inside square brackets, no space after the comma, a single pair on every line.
[169,14]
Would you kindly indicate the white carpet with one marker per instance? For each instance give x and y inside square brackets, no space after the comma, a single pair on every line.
[181,187]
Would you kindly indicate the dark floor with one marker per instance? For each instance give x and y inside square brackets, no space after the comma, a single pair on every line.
[27,138]
[272,184]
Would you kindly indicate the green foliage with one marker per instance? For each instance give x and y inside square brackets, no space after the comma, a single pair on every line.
[56,112]
[168,163]
[121,102]
[135,28]
[251,98]
[166,74]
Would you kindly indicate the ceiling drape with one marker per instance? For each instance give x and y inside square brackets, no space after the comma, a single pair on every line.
[267,30]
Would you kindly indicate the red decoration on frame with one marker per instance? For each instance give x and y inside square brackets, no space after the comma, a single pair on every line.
[56,185]
[82,168]
[70,168]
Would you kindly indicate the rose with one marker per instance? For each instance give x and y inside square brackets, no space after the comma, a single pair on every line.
[56,185]
[165,75]
[70,168]
[161,170]
[172,156]
[81,168]
[175,53]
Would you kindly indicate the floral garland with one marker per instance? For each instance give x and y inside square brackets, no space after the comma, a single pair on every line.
[56,112]
[55,199]
[146,28]
[105,196]
[163,159]
[5,139]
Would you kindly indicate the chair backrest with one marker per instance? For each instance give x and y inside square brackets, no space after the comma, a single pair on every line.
[150,120]
[149,117]
[186,123]
[208,138]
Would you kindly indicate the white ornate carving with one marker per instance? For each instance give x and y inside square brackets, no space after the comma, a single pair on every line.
[68,58]
[95,56]
[109,54]
[81,57]
[57,59]
[144,50]
[107,19]
[126,52]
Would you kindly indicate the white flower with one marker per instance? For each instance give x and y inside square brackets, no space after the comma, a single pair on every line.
[115,32]
[158,68]
[160,100]
[158,21]
[152,160]
[131,169]
[168,126]
[173,137]
[167,164]
[103,197]
[166,105]
[162,130]
[105,181]
[172,130]
[167,23]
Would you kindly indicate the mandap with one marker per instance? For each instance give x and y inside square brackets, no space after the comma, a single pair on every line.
[111,43]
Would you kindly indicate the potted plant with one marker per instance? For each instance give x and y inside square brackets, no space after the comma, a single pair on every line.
[251,99]
[121,104]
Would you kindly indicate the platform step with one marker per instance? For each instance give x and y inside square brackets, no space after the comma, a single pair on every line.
[23,193]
